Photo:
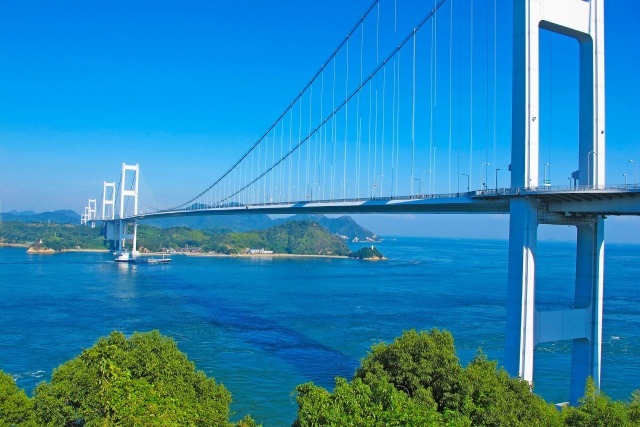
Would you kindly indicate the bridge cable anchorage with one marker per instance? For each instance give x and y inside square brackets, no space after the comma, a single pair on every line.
[298,97]
[301,141]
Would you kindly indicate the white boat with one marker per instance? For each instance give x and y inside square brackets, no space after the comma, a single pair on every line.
[163,260]
[124,256]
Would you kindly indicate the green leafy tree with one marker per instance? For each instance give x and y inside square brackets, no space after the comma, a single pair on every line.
[143,380]
[418,380]
[634,408]
[490,397]
[422,364]
[15,406]
[374,402]
[597,410]
[366,253]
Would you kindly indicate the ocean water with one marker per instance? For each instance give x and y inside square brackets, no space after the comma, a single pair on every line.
[262,326]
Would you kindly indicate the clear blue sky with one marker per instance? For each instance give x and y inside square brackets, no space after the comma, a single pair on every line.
[185,87]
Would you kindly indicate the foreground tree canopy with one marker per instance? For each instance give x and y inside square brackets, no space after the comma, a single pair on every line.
[15,406]
[141,381]
[415,381]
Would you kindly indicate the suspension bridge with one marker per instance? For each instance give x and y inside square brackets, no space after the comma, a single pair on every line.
[405,117]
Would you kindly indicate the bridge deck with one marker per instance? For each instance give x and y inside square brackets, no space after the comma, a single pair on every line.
[622,200]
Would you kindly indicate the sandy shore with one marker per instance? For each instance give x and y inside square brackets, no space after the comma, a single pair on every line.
[84,250]
[22,245]
[14,245]
[263,255]
[198,254]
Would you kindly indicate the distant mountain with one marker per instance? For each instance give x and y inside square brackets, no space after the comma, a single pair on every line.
[23,213]
[232,222]
[344,227]
[64,216]
[293,237]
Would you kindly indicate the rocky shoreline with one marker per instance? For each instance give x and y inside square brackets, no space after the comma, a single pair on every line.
[40,251]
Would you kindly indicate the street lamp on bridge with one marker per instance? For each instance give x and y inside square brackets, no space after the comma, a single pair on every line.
[497,169]
[547,182]
[419,185]
[483,181]
[625,178]
[635,172]
[467,175]
[375,185]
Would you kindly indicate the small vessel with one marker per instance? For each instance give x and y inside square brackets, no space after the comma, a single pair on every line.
[123,256]
[163,260]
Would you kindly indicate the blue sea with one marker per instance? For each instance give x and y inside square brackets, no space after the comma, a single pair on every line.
[262,326]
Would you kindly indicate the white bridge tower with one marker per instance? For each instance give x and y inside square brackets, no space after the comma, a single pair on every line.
[122,230]
[582,20]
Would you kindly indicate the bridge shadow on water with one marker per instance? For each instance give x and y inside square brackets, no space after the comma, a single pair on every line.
[312,359]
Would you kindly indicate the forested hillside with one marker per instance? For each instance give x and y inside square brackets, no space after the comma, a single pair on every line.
[54,236]
[295,237]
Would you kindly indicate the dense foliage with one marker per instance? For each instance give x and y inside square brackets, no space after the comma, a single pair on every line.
[15,406]
[294,237]
[143,380]
[304,237]
[417,380]
[54,236]
[344,226]
[366,253]
[597,409]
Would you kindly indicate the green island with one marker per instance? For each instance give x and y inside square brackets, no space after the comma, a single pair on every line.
[417,380]
[367,253]
[297,237]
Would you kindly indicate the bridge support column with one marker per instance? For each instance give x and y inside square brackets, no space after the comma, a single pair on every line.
[523,238]
[587,350]
[581,323]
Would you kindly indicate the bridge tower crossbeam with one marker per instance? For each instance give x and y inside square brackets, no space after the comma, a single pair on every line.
[582,323]
[108,200]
